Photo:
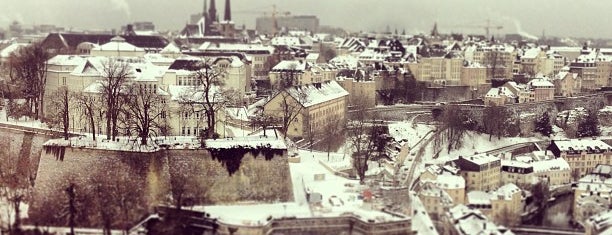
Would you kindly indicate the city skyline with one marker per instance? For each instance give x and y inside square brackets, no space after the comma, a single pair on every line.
[555,18]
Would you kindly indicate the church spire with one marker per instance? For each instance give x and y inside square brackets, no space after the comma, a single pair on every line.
[204,11]
[212,11]
[228,11]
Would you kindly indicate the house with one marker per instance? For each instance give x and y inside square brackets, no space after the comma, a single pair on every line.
[566,84]
[499,96]
[599,223]
[542,89]
[462,220]
[317,104]
[452,184]
[583,155]
[481,172]
[528,169]
[258,53]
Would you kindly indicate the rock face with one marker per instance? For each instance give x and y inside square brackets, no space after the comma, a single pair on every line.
[168,177]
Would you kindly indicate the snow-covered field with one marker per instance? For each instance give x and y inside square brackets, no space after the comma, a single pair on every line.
[339,196]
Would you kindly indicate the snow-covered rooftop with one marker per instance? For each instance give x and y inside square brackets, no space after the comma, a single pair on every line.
[541,82]
[446,181]
[500,91]
[291,65]
[118,44]
[313,94]
[581,144]
[6,52]
[506,191]
[479,198]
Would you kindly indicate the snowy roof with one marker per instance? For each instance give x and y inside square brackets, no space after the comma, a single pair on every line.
[286,41]
[421,222]
[348,61]
[6,52]
[248,142]
[312,56]
[171,48]
[499,91]
[601,221]
[507,191]
[313,94]
[481,159]
[581,144]
[540,82]
[531,53]
[246,48]
[118,44]
[67,60]
[450,181]
[148,72]
[550,165]
[479,198]
[291,65]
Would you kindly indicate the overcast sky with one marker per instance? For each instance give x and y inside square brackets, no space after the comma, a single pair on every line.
[590,18]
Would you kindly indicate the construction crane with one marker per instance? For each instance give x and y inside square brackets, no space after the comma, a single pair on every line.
[274,14]
[487,27]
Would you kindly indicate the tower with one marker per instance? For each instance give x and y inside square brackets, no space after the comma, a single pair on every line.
[212,11]
[228,11]
[434,31]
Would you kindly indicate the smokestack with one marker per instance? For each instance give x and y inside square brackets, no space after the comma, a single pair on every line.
[228,11]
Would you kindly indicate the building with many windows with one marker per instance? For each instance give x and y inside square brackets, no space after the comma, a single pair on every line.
[481,172]
[583,155]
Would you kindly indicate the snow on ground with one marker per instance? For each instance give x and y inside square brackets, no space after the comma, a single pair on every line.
[233,131]
[406,132]
[24,121]
[307,175]
[238,113]
[474,143]
[7,214]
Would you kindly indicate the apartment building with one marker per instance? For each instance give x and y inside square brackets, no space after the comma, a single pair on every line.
[582,155]
[481,172]
[318,104]
[302,72]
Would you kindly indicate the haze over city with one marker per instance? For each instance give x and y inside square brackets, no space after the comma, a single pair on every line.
[532,17]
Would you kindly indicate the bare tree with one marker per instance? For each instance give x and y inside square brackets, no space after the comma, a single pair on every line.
[495,64]
[359,131]
[88,104]
[207,97]
[59,113]
[115,74]
[116,201]
[15,181]
[334,127]
[455,124]
[28,68]
[145,110]
[495,118]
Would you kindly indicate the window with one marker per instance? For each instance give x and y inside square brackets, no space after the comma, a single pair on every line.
[163,114]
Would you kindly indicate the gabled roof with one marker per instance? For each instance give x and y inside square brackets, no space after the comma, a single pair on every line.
[72,40]
[316,93]
[187,64]
[291,65]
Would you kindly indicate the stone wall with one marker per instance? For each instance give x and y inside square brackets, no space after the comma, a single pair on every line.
[159,177]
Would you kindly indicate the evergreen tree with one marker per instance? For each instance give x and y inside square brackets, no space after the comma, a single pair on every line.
[543,126]
[589,126]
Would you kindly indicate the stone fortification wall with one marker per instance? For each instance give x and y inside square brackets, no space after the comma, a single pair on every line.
[158,177]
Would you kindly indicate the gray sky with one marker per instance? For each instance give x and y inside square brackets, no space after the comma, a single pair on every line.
[590,18]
